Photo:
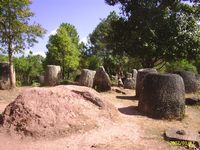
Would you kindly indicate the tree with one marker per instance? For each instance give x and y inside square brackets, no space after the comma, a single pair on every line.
[103,46]
[99,38]
[157,31]
[63,49]
[180,66]
[28,69]
[3,58]
[16,33]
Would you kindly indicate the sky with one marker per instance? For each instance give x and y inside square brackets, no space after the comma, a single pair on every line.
[85,15]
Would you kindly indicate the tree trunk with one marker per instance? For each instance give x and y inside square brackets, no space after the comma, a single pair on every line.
[11,69]
[63,72]
[68,72]
[147,63]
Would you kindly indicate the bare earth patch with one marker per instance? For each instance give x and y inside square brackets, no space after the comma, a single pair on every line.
[131,131]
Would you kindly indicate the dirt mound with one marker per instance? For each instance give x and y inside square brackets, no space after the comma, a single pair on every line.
[61,111]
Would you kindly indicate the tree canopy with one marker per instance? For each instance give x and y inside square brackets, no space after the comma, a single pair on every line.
[28,69]
[63,48]
[157,31]
[16,30]
[104,46]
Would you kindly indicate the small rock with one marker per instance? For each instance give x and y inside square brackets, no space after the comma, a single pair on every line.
[192,101]
[129,83]
[181,132]
[120,91]
[128,75]
[120,83]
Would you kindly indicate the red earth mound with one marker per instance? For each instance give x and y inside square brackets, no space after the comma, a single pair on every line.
[56,111]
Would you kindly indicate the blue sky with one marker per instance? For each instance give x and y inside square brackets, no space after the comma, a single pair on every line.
[83,14]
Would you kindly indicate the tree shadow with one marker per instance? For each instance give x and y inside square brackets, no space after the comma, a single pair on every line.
[130,110]
[127,97]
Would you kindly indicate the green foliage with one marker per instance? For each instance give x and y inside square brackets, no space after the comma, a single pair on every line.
[90,62]
[100,37]
[180,65]
[3,58]
[35,83]
[68,82]
[94,62]
[16,32]
[103,47]
[157,31]
[18,83]
[63,48]
[28,69]
[197,63]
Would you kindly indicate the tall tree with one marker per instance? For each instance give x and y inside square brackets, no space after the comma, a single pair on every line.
[28,68]
[157,31]
[103,45]
[16,32]
[63,48]
[99,38]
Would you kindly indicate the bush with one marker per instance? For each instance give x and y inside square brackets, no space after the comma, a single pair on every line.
[35,83]
[68,82]
[18,83]
[180,66]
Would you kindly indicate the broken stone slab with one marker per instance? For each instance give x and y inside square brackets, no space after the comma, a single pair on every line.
[118,90]
[192,101]
[183,135]
[129,83]
[128,75]
[102,80]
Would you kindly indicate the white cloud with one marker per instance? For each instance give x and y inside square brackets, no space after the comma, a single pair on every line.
[53,32]
[40,53]
[84,40]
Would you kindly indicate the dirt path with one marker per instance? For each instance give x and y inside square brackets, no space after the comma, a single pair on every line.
[151,130]
[133,131]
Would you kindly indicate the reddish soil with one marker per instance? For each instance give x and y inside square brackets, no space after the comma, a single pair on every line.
[131,131]
[57,111]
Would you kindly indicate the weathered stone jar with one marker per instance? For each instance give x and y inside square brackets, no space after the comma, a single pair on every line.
[52,75]
[5,76]
[140,77]
[189,79]
[87,78]
[163,96]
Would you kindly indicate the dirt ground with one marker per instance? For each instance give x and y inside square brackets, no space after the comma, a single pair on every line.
[132,131]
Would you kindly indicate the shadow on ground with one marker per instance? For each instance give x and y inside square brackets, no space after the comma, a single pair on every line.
[130,110]
[127,97]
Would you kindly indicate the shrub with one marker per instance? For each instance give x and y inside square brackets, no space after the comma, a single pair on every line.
[180,66]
